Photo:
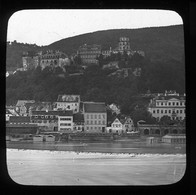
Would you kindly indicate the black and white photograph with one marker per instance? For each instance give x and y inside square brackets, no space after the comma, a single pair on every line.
[95,97]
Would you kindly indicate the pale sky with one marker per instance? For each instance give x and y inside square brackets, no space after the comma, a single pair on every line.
[44,27]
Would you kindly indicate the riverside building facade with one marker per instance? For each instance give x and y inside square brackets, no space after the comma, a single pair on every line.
[171,104]
[95,117]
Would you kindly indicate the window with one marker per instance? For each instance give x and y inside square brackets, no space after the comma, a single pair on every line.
[103,115]
[161,111]
[169,111]
[99,116]
[161,103]
[173,104]
[95,122]
[157,111]
[87,128]
[87,116]
[103,122]
[42,116]
[153,111]
[177,111]
[95,116]
[36,116]
[91,116]
[46,116]
[65,119]
[180,111]
[165,111]
[169,103]
[87,122]
[177,103]
[51,116]
[91,122]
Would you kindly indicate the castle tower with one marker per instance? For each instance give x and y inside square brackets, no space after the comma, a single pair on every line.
[124,44]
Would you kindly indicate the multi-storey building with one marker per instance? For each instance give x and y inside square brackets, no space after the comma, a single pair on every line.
[171,104]
[65,121]
[78,122]
[95,116]
[124,44]
[89,53]
[68,102]
[46,120]
[53,59]
[30,60]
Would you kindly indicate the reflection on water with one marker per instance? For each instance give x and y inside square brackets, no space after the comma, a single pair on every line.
[130,146]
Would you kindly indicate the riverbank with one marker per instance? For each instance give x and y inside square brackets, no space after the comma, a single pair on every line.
[120,146]
[37,167]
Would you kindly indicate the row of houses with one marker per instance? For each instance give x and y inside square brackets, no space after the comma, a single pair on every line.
[70,114]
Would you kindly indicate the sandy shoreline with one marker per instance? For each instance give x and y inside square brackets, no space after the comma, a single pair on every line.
[37,167]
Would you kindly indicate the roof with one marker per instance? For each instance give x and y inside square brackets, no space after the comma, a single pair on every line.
[68,98]
[78,117]
[21,125]
[19,119]
[168,97]
[23,102]
[98,107]
[53,112]
[174,136]
[66,113]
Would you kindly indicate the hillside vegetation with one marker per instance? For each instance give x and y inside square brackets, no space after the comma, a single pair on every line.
[158,43]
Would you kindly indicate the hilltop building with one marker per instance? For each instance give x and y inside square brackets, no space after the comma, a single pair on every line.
[68,102]
[53,59]
[30,60]
[89,53]
[171,104]
[95,116]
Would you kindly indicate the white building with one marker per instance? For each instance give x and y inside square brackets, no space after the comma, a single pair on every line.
[122,126]
[65,121]
[68,102]
[171,104]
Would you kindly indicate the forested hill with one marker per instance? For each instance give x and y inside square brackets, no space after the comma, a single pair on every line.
[161,43]
[158,43]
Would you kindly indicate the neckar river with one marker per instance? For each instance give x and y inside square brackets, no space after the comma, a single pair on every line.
[126,146]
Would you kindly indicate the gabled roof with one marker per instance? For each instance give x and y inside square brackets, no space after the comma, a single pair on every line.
[117,120]
[19,119]
[23,102]
[68,98]
[53,112]
[94,107]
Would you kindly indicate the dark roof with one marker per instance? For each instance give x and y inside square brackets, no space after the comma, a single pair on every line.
[66,113]
[168,97]
[21,125]
[53,112]
[19,119]
[94,107]
[78,117]
[68,98]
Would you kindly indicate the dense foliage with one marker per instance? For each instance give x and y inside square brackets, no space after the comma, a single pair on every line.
[162,69]
[95,84]
[158,43]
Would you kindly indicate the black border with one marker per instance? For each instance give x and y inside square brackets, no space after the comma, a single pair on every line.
[7,8]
